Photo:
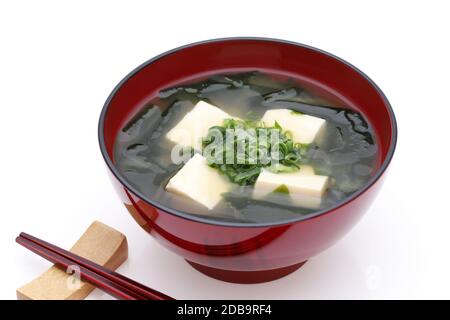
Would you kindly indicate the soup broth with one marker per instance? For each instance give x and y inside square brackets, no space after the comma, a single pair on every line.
[346,152]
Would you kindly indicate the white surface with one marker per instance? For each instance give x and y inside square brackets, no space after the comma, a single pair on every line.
[59,62]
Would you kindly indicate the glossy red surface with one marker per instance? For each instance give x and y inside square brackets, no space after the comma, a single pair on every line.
[238,252]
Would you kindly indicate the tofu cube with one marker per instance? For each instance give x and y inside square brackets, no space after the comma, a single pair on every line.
[195,124]
[200,182]
[304,128]
[304,187]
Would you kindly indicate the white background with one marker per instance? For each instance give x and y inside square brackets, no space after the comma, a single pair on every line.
[59,62]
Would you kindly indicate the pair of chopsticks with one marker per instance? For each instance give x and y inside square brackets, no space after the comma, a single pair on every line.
[107,280]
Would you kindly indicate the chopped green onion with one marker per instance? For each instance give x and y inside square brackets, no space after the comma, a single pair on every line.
[283,155]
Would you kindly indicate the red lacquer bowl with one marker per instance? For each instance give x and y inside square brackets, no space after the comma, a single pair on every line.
[238,252]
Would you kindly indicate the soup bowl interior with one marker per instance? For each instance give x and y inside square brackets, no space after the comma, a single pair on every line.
[233,251]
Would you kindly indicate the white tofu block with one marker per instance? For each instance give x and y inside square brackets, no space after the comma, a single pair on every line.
[304,128]
[199,182]
[305,188]
[195,124]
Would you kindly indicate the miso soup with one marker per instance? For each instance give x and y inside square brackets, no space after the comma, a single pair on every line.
[250,147]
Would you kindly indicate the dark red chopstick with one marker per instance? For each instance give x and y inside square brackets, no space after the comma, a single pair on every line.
[86,274]
[109,281]
[147,292]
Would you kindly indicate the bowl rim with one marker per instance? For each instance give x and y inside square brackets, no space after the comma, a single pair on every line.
[200,219]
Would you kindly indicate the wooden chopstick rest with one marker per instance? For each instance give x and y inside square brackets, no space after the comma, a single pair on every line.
[101,244]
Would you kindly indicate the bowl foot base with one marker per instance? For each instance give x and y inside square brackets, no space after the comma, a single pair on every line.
[246,276]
